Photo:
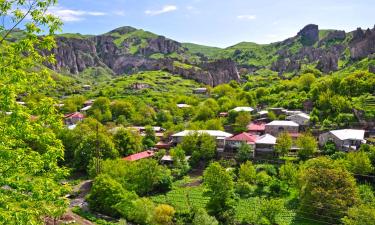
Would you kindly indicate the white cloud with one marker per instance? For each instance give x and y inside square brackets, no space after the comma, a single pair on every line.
[119,13]
[165,9]
[246,17]
[71,15]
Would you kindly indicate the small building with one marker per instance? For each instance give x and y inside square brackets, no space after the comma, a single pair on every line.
[278,126]
[265,145]
[243,109]
[168,160]
[217,134]
[301,119]
[183,105]
[223,114]
[345,139]
[163,145]
[85,109]
[257,128]
[235,141]
[277,111]
[139,86]
[88,102]
[139,155]
[86,87]
[200,91]
[73,118]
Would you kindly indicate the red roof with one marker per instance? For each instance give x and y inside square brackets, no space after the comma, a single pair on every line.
[75,115]
[256,127]
[139,155]
[249,138]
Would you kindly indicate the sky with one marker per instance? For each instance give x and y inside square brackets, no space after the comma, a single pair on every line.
[219,23]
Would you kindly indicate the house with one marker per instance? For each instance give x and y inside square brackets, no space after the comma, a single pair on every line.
[73,118]
[200,91]
[223,114]
[301,119]
[168,160]
[163,145]
[243,109]
[345,139]
[182,105]
[217,134]
[139,155]
[265,145]
[278,126]
[85,109]
[235,141]
[257,128]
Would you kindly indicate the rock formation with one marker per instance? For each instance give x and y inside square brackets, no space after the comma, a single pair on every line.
[309,34]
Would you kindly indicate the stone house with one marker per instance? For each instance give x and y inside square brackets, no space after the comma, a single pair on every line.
[345,139]
[278,126]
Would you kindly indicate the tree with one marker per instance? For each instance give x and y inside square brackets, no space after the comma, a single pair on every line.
[29,149]
[307,144]
[327,189]
[289,173]
[127,141]
[149,140]
[283,143]
[220,187]
[241,122]
[360,215]
[101,109]
[105,194]
[269,210]
[329,148]
[205,149]
[359,163]
[201,217]
[247,173]
[163,214]
[180,164]
[141,211]
[122,108]
[244,153]
[94,145]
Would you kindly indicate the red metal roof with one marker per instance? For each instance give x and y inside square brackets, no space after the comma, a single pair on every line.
[75,115]
[256,127]
[139,155]
[249,138]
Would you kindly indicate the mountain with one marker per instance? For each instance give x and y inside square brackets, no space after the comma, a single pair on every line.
[127,50]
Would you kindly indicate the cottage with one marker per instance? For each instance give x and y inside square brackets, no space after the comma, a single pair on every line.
[73,118]
[345,139]
[257,128]
[235,141]
[301,119]
[163,145]
[140,155]
[200,91]
[85,109]
[243,109]
[217,134]
[168,160]
[265,145]
[278,126]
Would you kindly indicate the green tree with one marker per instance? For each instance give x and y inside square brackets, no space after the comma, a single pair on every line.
[289,173]
[105,194]
[180,164]
[101,109]
[201,217]
[241,122]
[127,141]
[163,214]
[220,187]
[122,108]
[283,143]
[360,215]
[359,162]
[327,189]
[29,149]
[247,173]
[307,144]
[149,140]
[244,153]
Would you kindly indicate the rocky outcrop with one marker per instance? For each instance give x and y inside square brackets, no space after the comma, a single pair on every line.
[309,34]
[328,63]
[222,71]
[333,36]
[371,69]
[161,45]
[362,44]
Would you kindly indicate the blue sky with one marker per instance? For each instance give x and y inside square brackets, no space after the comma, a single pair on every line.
[215,22]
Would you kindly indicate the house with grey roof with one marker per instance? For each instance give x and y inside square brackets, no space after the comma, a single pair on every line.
[265,145]
[344,139]
[278,126]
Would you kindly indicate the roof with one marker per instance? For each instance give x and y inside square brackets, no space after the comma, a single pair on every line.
[282,123]
[86,108]
[74,115]
[249,138]
[183,105]
[139,155]
[256,126]
[200,89]
[266,139]
[169,158]
[263,112]
[303,115]
[349,134]
[214,133]
[243,109]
